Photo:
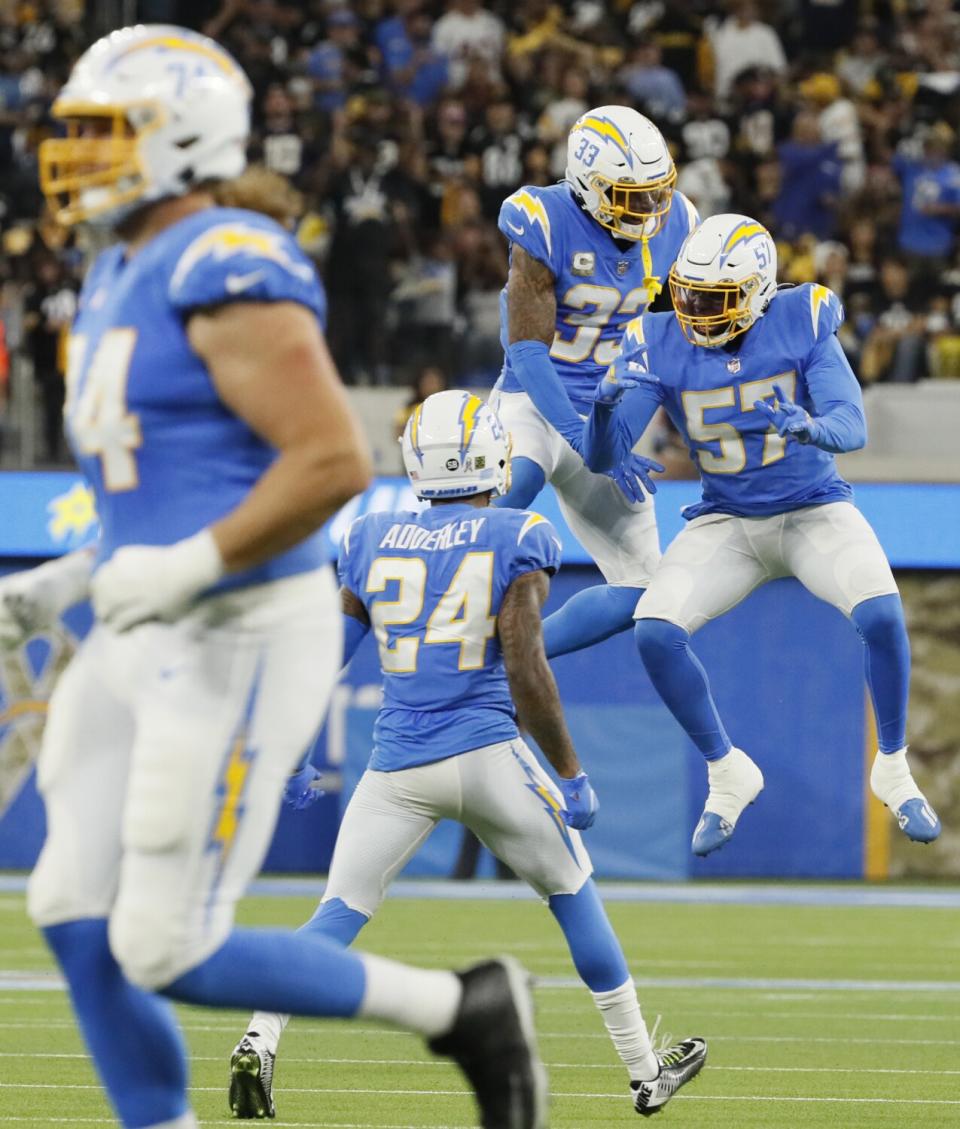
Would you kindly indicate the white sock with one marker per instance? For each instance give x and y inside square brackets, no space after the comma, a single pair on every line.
[621,1016]
[187,1120]
[891,780]
[269,1026]
[419,999]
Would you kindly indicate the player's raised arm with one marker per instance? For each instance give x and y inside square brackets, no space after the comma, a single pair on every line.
[531,321]
[535,693]
[271,367]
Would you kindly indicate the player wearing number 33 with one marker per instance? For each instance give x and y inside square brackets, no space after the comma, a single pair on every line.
[586,256]
[208,418]
[756,382]
[453,595]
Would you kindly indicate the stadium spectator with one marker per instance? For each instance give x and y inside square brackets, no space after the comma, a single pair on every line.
[558,116]
[411,66]
[810,182]
[742,41]
[468,31]
[499,144]
[50,306]
[895,348]
[931,199]
[656,89]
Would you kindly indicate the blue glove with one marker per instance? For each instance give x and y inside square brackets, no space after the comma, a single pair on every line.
[789,418]
[581,802]
[633,471]
[613,386]
[299,792]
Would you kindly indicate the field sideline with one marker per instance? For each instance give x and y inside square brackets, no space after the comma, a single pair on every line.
[819,1012]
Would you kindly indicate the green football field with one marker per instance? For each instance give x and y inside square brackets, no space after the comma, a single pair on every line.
[816,1015]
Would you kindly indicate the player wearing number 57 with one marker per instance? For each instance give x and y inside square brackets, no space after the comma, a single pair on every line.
[755,381]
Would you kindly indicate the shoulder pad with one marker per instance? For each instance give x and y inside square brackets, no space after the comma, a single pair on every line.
[244,258]
[524,220]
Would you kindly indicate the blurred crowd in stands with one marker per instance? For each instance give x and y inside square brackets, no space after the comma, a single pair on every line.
[404,123]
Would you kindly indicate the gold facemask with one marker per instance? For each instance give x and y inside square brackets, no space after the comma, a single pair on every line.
[710,313]
[98,159]
[623,202]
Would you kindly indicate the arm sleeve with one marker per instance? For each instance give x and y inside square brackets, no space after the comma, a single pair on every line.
[354,632]
[238,261]
[531,364]
[538,547]
[836,398]
[612,430]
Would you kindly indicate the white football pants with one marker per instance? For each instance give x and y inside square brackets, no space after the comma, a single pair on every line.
[499,791]
[163,765]
[620,536]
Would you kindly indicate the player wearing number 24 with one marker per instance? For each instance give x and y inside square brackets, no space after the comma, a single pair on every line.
[453,596]
[757,384]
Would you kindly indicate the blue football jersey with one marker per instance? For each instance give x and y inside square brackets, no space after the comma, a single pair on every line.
[746,468]
[600,285]
[163,454]
[432,584]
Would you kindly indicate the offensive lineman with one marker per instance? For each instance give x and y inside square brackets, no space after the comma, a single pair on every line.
[453,595]
[756,382]
[207,416]
[586,255]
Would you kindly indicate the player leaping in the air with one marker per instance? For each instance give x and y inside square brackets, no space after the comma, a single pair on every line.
[756,382]
[453,595]
[586,256]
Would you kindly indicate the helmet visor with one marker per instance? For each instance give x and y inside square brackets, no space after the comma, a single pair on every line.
[711,313]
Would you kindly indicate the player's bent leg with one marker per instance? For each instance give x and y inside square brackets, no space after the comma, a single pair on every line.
[589,617]
[835,553]
[881,625]
[388,817]
[621,537]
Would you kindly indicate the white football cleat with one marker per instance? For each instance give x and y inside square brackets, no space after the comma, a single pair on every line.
[735,782]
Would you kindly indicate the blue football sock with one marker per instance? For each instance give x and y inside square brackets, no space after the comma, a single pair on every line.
[681,681]
[589,617]
[593,944]
[273,970]
[884,632]
[131,1034]
[526,482]
[337,921]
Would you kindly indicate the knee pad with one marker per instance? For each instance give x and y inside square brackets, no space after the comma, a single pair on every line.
[152,945]
[658,639]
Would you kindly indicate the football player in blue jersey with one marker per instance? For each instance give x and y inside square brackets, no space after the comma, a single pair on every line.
[210,422]
[756,382]
[453,596]
[586,256]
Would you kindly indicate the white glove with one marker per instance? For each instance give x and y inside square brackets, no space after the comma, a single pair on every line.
[144,582]
[36,598]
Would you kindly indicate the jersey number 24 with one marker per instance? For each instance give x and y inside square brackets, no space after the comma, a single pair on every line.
[461,616]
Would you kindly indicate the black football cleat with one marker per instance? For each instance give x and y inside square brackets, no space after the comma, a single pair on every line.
[251,1079]
[494,1043]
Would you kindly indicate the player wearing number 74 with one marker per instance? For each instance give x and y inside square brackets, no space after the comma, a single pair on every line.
[756,382]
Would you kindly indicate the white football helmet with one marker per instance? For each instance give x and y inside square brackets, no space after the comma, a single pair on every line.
[724,278]
[621,171]
[453,445]
[151,111]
